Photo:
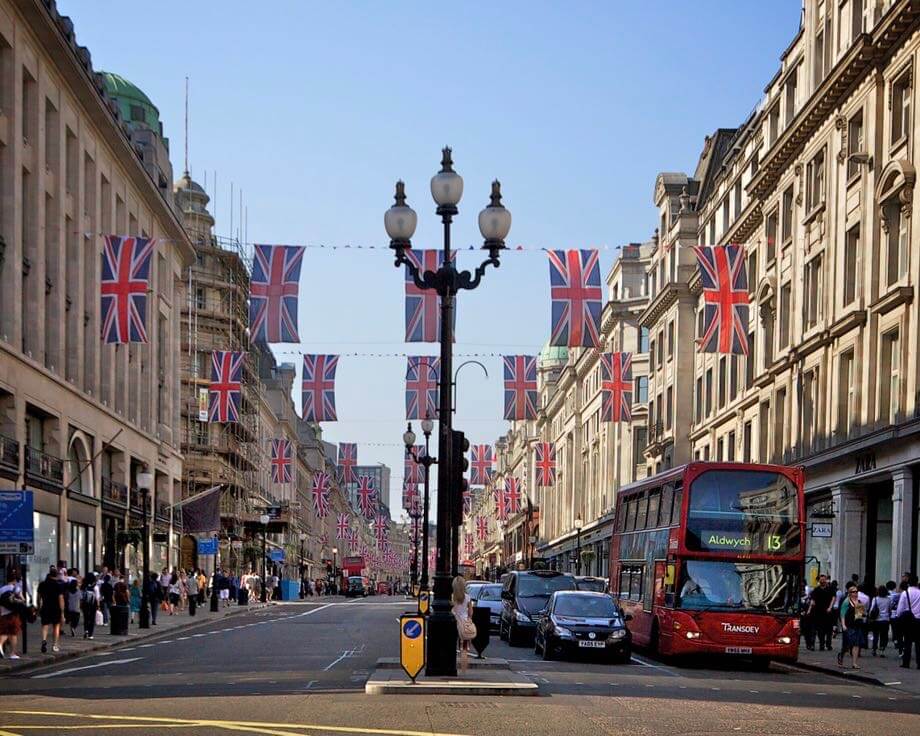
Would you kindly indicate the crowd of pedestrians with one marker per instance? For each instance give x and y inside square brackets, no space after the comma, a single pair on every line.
[865,618]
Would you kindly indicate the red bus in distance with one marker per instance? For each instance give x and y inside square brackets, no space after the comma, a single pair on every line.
[709,558]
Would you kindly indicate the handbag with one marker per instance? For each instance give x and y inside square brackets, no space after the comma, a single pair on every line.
[466,629]
[99,619]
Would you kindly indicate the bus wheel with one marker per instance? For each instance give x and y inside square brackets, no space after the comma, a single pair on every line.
[761,664]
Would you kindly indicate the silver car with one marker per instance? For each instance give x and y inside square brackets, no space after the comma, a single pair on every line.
[489,595]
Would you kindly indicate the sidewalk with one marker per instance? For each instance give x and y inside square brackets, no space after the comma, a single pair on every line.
[74,647]
[873,670]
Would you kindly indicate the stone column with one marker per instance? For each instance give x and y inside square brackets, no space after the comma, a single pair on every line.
[849,533]
[902,507]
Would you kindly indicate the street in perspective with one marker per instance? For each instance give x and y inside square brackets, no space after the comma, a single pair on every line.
[269,466]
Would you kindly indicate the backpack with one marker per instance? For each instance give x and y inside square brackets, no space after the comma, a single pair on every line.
[88,598]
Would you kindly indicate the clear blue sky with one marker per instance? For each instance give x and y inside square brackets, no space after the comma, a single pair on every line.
[315,109]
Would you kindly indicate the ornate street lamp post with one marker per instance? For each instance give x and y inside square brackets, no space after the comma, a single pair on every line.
[494,224]
[578,525]
[265,518]
[145,483]
[426,461]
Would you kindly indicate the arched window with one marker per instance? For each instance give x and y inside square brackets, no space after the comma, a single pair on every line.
[81,471]
[894,196]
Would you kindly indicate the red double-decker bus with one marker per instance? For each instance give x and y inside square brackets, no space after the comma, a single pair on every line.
[709,558]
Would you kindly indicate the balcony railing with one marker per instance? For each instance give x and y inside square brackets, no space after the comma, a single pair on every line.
[114,492]
[137,501]
[9,453]
[45,467]
[655,432]
[162,510]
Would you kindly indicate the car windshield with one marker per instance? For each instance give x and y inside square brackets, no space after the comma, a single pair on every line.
[713,584]
[596,586]
[585,606]
[490,593]
[743,511]
[533,586]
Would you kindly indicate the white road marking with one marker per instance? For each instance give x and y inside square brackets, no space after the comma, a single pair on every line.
[127,649]
[896,682]
[641,661]
[346,653]
[84,667]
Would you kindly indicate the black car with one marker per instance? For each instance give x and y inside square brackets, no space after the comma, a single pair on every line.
[525,594]
[579,622]
[586,582]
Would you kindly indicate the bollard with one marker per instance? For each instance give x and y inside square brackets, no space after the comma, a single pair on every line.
[215,601]
[118,620]
[192,604]
[481,617]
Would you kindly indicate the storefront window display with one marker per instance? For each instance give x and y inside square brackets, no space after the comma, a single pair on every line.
[82,546]
[819,537]
[46,549]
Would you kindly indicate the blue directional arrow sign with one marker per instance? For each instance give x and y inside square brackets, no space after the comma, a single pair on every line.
[17,533]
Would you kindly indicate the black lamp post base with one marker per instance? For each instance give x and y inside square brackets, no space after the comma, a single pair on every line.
[143,617]
[442,632]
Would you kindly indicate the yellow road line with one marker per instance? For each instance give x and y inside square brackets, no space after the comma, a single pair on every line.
[255,726]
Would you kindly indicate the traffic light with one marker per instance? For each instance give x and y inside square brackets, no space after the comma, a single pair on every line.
[460,445]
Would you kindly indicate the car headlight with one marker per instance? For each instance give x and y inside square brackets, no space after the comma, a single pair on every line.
[521,616]
[564,632]
[784,640]
[616,635]
[693,634]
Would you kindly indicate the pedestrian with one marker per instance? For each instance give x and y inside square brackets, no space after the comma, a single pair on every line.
[135,598]
[895,594]
[106,595]
[202,584]
[72,604]
[172,590]
[51,608]
[191,589]
[89,604]
[12,602]
[852,626]
[463,613]
[822,602]
[908,615]
[183,590]
[880,619]
[154,596]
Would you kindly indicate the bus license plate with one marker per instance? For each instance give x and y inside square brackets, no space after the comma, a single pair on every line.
[591,644]
[737,650]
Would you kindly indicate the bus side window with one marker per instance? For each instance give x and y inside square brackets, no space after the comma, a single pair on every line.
[635,583]
[675,509]
[670,573]
[642,515]
[664,511]
[654,498]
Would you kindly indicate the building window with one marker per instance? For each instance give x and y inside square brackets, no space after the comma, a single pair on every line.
[722,394]
[726,216]
[700,322]
[699,400]
[850,265]
[669,407]
[855,143]
[814,291]
[720,449]
[895,225]
[201,301]
[769,320]
[660,352]
[763,439]
[900,108]
[889,377]
[788,201]
[773,123]
[860,18]
[730,449]
[779,425]
[750,361]
[670,339]
[755,162]
[45,530]
[640,441]
[846,405]
[651,353]
[643,339]
[641,396]
[82,546]
[772,226]
[732,377]
[737,195]
[809,408]
[137,114]
[752,272]
[746,442]
[814,182]
[790,93]
[708,391]
[822,58]
[712,231]
[785,314]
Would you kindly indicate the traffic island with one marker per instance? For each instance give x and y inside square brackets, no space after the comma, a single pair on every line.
[486,663]
[477,680]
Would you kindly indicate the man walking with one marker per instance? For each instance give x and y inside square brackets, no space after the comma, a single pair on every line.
[908,617]
[822,599]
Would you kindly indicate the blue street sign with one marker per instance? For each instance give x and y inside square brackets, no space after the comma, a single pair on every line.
[17,534]
[412,629]
[207,546]
[276,555]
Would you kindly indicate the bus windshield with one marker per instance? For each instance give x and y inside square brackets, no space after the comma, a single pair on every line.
[738,586]
[743,511]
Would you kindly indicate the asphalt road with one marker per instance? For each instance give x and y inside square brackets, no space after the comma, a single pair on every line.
[300,668]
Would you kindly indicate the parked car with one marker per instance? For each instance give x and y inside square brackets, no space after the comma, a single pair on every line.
[525,594]
[595,585]
[582,622]
[489,595]
[356,587]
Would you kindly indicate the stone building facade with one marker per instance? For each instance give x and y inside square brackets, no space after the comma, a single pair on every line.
[80,418]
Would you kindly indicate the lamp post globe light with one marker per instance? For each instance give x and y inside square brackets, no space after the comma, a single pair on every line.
[335,570]
[145,483]
[265,518]
[494,224]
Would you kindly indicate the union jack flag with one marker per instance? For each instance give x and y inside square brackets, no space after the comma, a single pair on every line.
[468,545]
[423,306]
[282,461]
[367,495]
[381,527]
[480,464]
[319,387]
[546,463]
[482,527]
[501,504]
[348,458]
[273,293]
[513,495]
[353,540]
[520,386]
[225,390]
[321,494]
[414,471]
[723,273]
[467,498]
[342,526]
[422,375]
[616,387]
[575,289]
[410,497]
[123,287]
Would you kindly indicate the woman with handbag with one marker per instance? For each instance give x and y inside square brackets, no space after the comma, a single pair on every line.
[879,619]
[463,612]
[89,604]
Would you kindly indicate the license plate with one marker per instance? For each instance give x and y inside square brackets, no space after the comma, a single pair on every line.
[592,644]
[737,650]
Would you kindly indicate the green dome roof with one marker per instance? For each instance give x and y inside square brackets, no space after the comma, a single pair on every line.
[552,355]
[134,105]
